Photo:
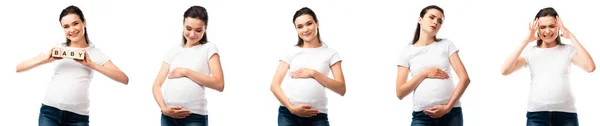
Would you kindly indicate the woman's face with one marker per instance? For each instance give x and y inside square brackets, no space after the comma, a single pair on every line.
[431,22]
[73,27]
[548,29]
[193,30]
[306,27]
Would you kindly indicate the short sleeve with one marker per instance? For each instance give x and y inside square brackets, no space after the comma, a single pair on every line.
[334,58]
[170,54]
[212,49]
[98,56]
[403,58]
[451,48]
[525,54]
[572,51]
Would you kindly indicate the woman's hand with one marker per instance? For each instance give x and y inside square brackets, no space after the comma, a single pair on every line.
[437,111]
[178,73]
[87,61]
[176,112]
[434,72]
[533,28]
[303,73]
[50,58]
[565,32]
[304,110]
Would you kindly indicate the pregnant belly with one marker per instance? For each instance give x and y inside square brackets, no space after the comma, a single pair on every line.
[182,91]
[69,91]
[551,90]
[434,92]
[303,91]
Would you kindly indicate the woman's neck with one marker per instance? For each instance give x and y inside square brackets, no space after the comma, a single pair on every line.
[424,40]
[312,44]
[190,45]
[79,44]
[548,44]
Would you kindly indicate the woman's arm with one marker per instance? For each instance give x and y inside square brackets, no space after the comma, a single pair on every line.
[463,79]
[171,111]
[403,87]
[215,81]
[111,71]
[337,84]
[43,58]
[515,61]
[158,82]
[276,84]
[108,69]
[582,58]
[302,110]
[441,110]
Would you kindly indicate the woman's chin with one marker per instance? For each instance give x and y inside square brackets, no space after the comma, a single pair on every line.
[73,39]
[308,39]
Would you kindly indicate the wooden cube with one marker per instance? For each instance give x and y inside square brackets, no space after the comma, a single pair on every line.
[65,53]
[77,54]
[68,53]
[56,52]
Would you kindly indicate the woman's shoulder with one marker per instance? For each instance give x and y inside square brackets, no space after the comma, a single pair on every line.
[567,45]
[209,43]
[445,41]
[329,49]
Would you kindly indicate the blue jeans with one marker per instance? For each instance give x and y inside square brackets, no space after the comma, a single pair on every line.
[191,120]
[50,116]
[552,119]
[452,118]
[286,118]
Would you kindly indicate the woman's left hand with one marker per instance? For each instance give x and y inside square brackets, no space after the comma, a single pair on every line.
[437,111]
[565,32]
[178,72]
[87,61]
[303,73]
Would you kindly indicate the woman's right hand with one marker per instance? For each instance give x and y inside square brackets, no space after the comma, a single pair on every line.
[434,72]
[304,110]
[533,28]
[49,58]
[176,112]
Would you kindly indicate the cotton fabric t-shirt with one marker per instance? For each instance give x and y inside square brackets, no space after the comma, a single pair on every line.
[550,71]
[69,87]
[431,91]
[308,90]
[183,91]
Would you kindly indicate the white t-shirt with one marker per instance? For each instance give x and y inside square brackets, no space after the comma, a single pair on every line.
[550,70]
[308,90]
[183,91]
[69,88]
[431,91]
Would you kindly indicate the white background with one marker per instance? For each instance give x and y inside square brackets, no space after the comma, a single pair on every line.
[251,35]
